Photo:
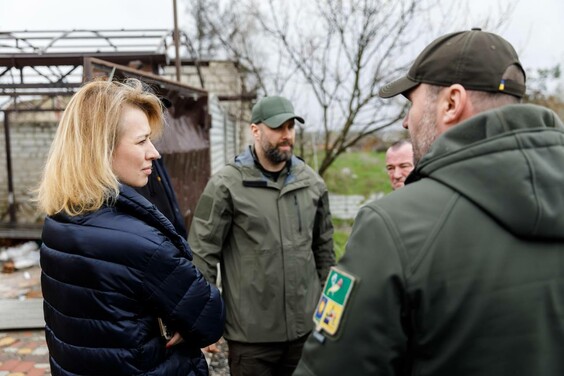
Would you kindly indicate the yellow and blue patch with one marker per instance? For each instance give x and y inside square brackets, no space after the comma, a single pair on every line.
[332,304]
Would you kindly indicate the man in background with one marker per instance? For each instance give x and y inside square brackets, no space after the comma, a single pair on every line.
[265,218]
[399,162]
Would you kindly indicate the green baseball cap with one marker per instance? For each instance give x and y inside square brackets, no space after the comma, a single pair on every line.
[474,59]
[274,111]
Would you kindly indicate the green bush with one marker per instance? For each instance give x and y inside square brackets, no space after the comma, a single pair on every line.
[358,173]
[355,173]
[341,235]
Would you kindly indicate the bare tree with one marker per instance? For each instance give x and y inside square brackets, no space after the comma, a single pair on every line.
[225,29]
[332,56]
[545,87]
[205,42]
[343,64]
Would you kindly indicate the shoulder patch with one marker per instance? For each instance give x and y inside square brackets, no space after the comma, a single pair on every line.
[333,301]
[204,208]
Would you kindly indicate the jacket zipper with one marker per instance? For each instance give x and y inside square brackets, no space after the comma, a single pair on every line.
[299,214]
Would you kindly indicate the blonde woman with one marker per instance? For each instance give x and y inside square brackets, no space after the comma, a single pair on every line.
[113,265]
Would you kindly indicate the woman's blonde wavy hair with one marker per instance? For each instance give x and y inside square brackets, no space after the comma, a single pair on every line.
[78,176]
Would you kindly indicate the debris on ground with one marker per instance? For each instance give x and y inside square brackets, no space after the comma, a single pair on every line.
[18,257]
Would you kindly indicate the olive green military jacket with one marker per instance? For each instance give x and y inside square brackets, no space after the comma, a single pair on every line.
[460,273]
[274,243]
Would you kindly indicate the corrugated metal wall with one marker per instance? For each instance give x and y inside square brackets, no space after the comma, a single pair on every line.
[223,135]
[185,151]
[189,174]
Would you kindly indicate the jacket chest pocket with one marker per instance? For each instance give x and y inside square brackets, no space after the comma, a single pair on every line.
[299,210]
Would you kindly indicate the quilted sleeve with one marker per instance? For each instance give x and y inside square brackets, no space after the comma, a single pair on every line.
[183,298]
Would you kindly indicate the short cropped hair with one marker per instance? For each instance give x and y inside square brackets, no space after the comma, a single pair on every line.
[78,176]
[398,144]
[483,101]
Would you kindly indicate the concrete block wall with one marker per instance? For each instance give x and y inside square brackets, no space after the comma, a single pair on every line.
[347,207]
[29,143]
[220,77]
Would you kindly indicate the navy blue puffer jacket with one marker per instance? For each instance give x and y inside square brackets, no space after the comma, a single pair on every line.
[107,277]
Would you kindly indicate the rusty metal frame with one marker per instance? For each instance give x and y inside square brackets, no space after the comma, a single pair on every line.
[45,62]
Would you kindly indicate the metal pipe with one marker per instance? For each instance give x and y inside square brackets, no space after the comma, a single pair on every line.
[11,200]
[176,42]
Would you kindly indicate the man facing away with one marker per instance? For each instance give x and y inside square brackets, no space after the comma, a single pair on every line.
[265,218]
[461,271]
[399,162]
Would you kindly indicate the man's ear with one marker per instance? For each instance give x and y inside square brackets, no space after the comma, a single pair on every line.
[255,130]
[453,106]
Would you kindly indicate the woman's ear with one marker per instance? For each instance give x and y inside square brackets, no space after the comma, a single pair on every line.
[453,106]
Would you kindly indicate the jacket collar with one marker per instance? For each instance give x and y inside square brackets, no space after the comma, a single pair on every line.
[131,201]
[294,177]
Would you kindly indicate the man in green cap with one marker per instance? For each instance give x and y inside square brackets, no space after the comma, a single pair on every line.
[265,219]
[461,271]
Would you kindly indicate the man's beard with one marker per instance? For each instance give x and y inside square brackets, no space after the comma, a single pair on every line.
[274,154]
[426,135]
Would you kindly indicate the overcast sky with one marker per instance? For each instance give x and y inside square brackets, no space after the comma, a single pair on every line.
[535,28]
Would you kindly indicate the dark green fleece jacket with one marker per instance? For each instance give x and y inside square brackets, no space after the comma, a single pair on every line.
[462,271]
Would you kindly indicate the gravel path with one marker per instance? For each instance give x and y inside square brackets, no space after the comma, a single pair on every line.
[218,362]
